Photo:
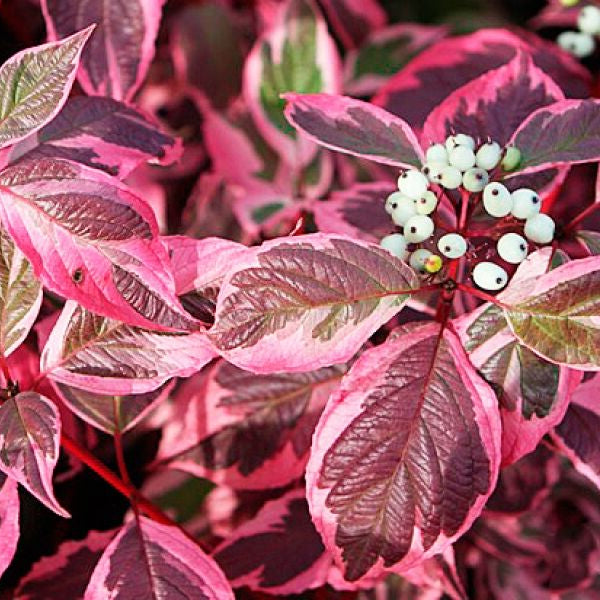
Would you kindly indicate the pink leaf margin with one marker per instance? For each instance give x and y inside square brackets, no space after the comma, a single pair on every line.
[9,521]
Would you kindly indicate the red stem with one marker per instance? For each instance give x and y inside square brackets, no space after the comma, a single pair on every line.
[480,294]
[582,217]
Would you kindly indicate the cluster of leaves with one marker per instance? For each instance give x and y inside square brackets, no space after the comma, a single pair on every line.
[315,416]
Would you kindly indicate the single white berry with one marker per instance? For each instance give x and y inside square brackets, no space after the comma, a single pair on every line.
[404,209]
[497,200]
[427,203]
[511,158]
[577,43]
[418,229]
[460,139]
[450,178]
[488,156]
[413,183]
[526,203]
[474,180]
[432,170]
[452,245]
[396,244]
[540,229]
[391,202]
[588,20]
[418,259]
[437,153]
[512,248]
[462,157]
[489,276]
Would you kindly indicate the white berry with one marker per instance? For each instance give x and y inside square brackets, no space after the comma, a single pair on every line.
[418,259]
[488,156]
[497,200]
[405,209]
[511,158]
[460,139]
[432,170]
[462,157]
[396,244]
[474,180]
[577,43]
[412,183]
[437,154]
[418,229]
[489,276]
[392,201]
[427,203]
[452,245]
[526,203]
[540,229]
[512,248]
[588,20]
[450,178]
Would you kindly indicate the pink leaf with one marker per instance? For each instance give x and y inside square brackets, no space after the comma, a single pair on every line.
[150,560]
[296,55]
[354,127]
[105,356]
[89,239]
[9,520]
[358,212]
[248,431]
[494,104]
[354,20]
[66,573]
[387,486]
[100,133]
[29,444]
[119,53]
[278,551]
[301,303]
[35,84]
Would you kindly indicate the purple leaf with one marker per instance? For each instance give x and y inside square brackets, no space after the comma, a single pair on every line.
[66,573]
[116,60]
[35,83]
[100,133]
[354,20]
[354,127]
[150,560]
[566,132]
[248,431]
[494,104]
[388,487]
[306,302]
[89,239]
[9,520]
[278,551]
[20,295]
[358,212]
[295,55]
[105,356]
[29,444]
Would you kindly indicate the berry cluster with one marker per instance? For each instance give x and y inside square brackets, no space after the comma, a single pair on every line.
[582,43]
[454,168]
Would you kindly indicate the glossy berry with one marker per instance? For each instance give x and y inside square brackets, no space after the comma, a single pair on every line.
[588,20]
[540,229]
[437,153]
[433,264]
[418,258]
[497,200]
[512,248]
[396,244]
[526,203]
[391,202]
[474,180]
[489,276]
[488,156]
[577,43]
[450,178]
[427,203]
[511,158]
[452,245]
[418,229]
[405,209]
[462,157]
[413,183]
